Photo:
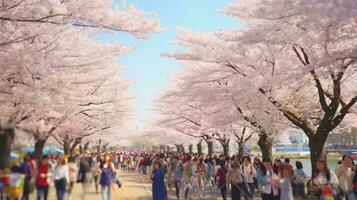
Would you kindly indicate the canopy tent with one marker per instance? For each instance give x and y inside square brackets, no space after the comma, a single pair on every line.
[47,150]
[14,156]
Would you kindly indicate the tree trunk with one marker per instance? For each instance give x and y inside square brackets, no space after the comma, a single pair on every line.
[240,150]
[265,143]
[99,145]
[39,145]
[190,149]
[225,149]
[74,145]
[178,148]
[66,145]
[86,146]
[71,150]
[199,148]
[182,148]
[81,149]
[316,144]
[105,146]
[6,138]
[210,148]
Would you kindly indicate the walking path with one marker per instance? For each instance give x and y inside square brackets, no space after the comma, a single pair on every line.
[135,187]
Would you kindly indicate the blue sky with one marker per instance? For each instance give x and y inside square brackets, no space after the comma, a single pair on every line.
[148,70]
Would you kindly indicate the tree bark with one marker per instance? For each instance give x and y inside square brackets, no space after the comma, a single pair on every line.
[182,148]
[81,149]
[178,148]
[316,144]
[74,145]
[86,146]
[225,145]
[190,149]
[240,150]
[99,145]
[6,138]
[210,148]
[39,145]
[265,143]
[66,145]
[199,148]
[105,146]
[226,149]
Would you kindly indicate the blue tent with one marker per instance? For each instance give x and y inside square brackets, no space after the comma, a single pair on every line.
[52,150]
[14,156]
[47,150]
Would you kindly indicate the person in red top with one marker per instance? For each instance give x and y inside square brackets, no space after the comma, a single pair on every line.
[276,166]
[41,179]
[287,162]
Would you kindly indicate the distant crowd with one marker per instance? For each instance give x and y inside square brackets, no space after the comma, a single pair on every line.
[190,176]
[195,175]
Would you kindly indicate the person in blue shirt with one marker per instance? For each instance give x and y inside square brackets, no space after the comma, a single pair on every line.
[158,182]
[106,173]
[25,169]
[268,181]
[177,174]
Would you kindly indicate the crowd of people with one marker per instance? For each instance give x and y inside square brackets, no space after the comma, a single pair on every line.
[195,176]
[188,175]
[60,172]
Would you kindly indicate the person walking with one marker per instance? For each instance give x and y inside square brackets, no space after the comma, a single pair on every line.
[249,174]
[73,170]
[345,175]
[256,164]
[61,177]
[96,171]
[222,179]
[84,174]
[235,179]
[187,176]
[277,166]
[326,180]
[42,185]
[299,180]
[158,182]
[107,169]
[177,174]
[25,169]
[268,181]
[286,191]
[209,172]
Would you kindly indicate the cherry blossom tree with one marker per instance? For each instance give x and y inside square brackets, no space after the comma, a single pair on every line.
[312,46]
[217,87]
[184,118]
[297,58]
[52,71]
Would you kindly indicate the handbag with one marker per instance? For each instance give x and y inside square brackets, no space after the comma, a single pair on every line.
[116,180]
[119,183]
